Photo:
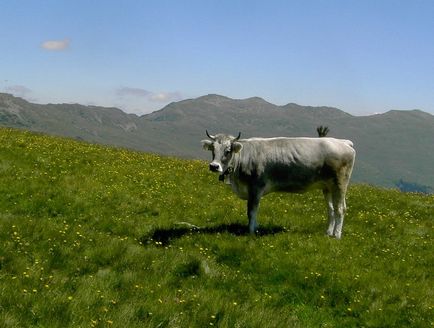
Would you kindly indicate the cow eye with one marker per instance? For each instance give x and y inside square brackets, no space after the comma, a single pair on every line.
[227,151]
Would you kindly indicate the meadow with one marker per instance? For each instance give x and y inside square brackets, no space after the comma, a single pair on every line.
[93,236]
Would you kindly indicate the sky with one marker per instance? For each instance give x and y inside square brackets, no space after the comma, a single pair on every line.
[363,57]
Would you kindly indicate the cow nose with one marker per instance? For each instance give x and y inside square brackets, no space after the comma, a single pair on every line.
[214,167]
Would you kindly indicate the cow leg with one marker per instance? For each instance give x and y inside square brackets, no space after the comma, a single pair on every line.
[339,192]
[252,210]
[339,207]
[330,211]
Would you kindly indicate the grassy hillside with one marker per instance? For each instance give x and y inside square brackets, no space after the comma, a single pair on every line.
[102,237]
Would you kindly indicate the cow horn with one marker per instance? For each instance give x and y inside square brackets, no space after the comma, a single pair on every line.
[209,135]
[239,136]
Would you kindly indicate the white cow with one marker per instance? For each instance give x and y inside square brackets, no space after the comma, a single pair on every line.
[257,166]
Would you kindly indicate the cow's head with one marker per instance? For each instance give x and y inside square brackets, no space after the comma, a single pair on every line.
[223,147]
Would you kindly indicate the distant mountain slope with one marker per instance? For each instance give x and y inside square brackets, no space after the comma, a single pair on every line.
[391,146]
[90,123]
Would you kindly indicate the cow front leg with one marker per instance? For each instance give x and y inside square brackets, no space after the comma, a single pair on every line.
[252,210]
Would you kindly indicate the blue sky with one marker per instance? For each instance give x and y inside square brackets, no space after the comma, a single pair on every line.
[360,56]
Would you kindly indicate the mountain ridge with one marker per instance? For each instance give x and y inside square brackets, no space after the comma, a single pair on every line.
[392,146]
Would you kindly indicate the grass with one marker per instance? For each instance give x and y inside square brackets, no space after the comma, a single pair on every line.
[93,236]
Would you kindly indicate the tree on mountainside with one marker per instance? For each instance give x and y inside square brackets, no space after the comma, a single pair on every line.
[322,131]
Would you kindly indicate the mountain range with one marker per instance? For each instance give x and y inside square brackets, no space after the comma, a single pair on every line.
[392,148]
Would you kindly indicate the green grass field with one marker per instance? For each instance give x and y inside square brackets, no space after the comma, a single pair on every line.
[92,236]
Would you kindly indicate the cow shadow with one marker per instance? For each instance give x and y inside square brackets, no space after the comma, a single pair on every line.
[165,236]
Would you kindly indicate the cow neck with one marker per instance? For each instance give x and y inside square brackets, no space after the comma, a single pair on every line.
[231,166]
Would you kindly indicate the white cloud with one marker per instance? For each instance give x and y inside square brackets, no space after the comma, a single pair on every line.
[135,92]
[165,97]
[18,90]
[55,45]
[161,97]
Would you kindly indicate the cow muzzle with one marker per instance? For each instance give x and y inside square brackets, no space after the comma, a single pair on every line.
[215,167]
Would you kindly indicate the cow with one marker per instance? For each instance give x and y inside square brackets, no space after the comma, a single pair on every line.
[255,167]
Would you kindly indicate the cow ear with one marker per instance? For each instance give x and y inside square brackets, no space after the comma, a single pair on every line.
[236,147]
[207,144]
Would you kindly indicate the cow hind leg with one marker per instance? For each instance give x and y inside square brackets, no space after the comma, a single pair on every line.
[330,211]
[338,197]
[339,208]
